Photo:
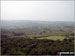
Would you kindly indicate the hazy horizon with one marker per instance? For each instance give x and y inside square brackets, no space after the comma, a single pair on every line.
[37,10]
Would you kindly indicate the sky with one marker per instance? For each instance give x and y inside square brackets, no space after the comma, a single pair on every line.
[37,10]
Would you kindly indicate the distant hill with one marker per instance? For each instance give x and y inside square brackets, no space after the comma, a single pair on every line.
[30,23]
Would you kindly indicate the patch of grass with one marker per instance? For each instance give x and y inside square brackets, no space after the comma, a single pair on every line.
[32,36]
[53,37]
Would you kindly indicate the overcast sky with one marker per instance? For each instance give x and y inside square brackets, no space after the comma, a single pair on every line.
[37,10]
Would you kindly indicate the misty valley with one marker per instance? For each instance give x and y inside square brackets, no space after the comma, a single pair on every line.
[26,37]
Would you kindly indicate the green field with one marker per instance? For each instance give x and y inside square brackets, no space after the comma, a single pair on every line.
[53,37]
[41,37]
